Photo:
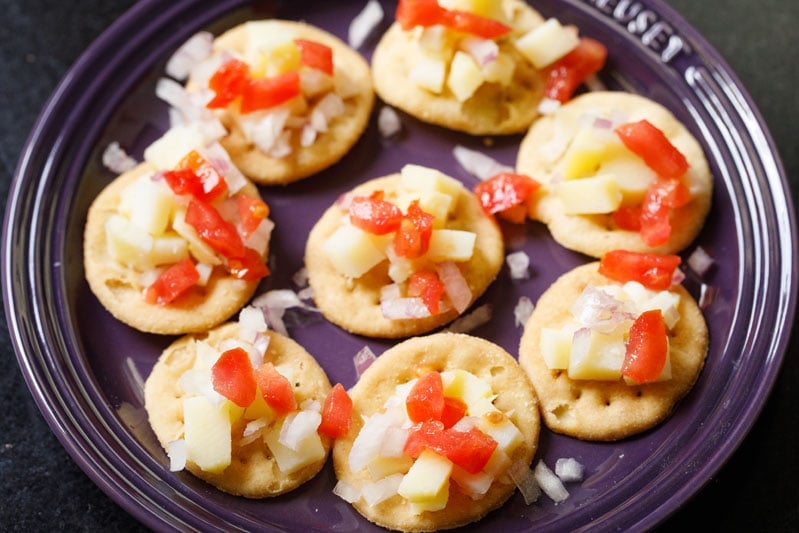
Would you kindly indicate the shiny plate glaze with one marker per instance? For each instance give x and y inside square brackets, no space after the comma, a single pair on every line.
[85,370]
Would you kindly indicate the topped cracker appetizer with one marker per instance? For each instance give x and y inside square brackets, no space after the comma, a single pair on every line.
[293,98]
[177,244]
[438,424]
[479,66]
[613,345]
[246,409]
[402,254]
[618,171]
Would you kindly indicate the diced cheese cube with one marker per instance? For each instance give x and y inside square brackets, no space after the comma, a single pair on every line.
[465,386]
[436,203]
[486,8]
[473,485]
[381,466]
[279,59]
[465,76]
[166,152]
[168,249]
[548,42]
[259,409]
[632,175]
[668,303]
[556,346]
[429,73]
[596,355]
[207,434]
[153,206]
[588,150]
[263,35]
[309,450]
[351,251]
[421,179]
[128,243]
[426,480]
[500,70]
[501,428]
[589,196]
[451,245]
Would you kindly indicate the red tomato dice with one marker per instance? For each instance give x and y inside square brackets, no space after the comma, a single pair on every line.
[471,450]
[628,217]
[220,234]
[412,240]
[375,215]
[454,409]
[252,211]
[336,413]
[647,348]
[651,144]
[567,73]
[411,13]
[228,83]
[467,22]
[507,194]
[265,93]
[276,389]
[315,55]
[426,285]
[653,271]
[172,282]
[233,377]
[212,182]
[249,267]
[425,401]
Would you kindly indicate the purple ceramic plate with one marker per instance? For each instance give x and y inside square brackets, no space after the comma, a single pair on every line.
[85,370]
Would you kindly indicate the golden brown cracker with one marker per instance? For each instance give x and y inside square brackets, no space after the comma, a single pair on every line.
[354,305]
[594,235]
[350,69]
[253,472]
[117,286]
[608,410]
[442,351]
[493,109]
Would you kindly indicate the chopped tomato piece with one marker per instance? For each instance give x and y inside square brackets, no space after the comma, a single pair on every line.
[506,194]
[653,271]
[252,211]
[375,215]
[655,219]
[184,181]
[276,389]
[172,282]
[315,55]
[264,93]
[651,144]
[249,267]
[336,413]
[233,377]
[454,409]
[220,234]
[652,218]
[412,13]
[568,72]
[228,82]
[213,184]
[647,348]
[428,286]
[471,450]
[628,217]
[413,237]
[425,401]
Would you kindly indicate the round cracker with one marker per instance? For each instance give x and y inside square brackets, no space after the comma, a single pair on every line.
[595,235]
[118,289]
[350,70]
[492,110]
[608,410]
[402,363]
[253,471]
[354,304]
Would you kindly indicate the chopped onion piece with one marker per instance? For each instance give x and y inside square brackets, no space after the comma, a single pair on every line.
[366,445]
[205,271]
[375,492]
[148,277]
[524,308]
[347,491]
[402,308]
[251,322]
[707,293]
[597,309]
[308,135]
[455,285]
[525,481]
[219,158]
[306,293]
[254,427]
[364,23]
[328,108]
[569,469]
[259,239]
[547,106]
[116,159]
[593,83]
[479,164]
[363,359]
[300,278]
[177,452]
[550,483]
[465,424]
[297,427]
[473,320]
[197,48]
[519,264]
[700,261]
[388,121]
[483,51]
[394,440]
[678,276]
[265,129]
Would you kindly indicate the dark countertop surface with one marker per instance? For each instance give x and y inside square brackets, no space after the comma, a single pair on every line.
[41,488]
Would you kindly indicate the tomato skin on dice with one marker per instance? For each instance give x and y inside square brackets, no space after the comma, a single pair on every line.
[233,377]
[647,348]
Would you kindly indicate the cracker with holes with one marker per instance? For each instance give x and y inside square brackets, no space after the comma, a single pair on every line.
[178,244]
[294,98]
[619,171]
[239,408]
[609,358]
[402,254]
[473,79]
[438,421]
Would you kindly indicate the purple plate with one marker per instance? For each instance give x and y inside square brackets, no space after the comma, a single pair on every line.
[85,370]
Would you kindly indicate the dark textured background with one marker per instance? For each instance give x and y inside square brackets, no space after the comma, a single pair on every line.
[42,489]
